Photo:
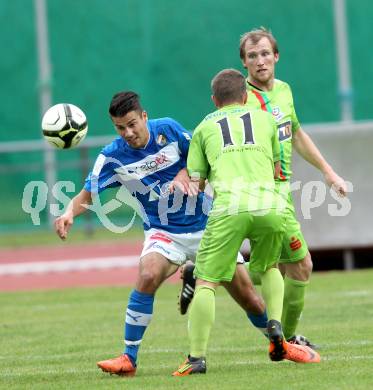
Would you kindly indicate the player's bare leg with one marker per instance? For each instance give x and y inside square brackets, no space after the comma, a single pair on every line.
[242,290]
[154,269]
[300,270]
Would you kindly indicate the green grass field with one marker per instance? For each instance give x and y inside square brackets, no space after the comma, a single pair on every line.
[52,340]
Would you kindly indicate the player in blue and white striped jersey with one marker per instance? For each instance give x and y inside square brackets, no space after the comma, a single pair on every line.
[148,171]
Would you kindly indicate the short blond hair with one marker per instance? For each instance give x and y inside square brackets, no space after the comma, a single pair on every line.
[255,36]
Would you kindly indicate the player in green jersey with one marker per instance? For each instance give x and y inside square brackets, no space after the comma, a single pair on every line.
[259,54]
[235,149]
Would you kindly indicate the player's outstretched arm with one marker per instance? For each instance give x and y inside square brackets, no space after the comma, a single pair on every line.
[76,207]
[304,145]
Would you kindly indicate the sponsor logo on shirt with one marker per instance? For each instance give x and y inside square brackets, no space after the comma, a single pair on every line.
[163,159]
[154,164]
[156,246]
[284,131]
[295,244]
[276,112]
[160,237]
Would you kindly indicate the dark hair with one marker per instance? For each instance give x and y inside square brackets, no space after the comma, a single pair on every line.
[228,86]
[254,36]
[124,102]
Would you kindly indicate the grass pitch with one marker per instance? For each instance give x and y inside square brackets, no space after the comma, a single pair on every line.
[52,340]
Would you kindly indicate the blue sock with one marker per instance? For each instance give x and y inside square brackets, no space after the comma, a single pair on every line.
[259,321]
[138,315]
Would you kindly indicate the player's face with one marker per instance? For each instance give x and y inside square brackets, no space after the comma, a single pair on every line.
[260,63]
[132,128]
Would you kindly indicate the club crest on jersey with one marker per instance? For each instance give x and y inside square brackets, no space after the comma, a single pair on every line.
[161,140]
[276,112]
[284,131]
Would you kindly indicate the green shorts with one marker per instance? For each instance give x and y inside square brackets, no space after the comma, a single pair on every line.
[222,239]
[294,247]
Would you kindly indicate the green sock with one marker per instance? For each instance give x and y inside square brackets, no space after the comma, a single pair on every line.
[201,319]
[293,305]
[273,293]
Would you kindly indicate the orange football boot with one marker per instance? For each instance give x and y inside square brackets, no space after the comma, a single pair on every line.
[301,354]
[121,365]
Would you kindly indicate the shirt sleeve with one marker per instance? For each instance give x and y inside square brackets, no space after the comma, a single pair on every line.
[102,175]
[183,138]
[197,163]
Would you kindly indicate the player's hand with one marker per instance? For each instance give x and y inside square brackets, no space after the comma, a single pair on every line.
[337,183]
[184,184]
[62,225]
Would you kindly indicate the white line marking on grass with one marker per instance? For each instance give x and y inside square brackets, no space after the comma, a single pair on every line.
[217,349]
[258,348]
[354,293]
[258,361]
[42,267]
[145,351]
[35,372]
[150,351]
[347,358]
[343,294]
[350,343]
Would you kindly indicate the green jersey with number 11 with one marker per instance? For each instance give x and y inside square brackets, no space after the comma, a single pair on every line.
[279,102]
[235,149]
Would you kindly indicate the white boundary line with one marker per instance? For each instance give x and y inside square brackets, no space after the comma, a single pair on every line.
[42,267]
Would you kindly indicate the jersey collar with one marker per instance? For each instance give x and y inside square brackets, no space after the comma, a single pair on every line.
[254,86]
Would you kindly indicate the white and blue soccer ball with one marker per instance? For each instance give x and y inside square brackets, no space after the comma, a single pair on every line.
[64,125]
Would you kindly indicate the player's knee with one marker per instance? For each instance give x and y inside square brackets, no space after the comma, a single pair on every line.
[307,265]
[150,277]
[148,281]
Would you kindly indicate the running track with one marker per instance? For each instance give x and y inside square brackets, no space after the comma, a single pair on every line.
[65,266]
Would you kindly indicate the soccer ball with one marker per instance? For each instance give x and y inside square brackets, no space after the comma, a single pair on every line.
[64,125]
